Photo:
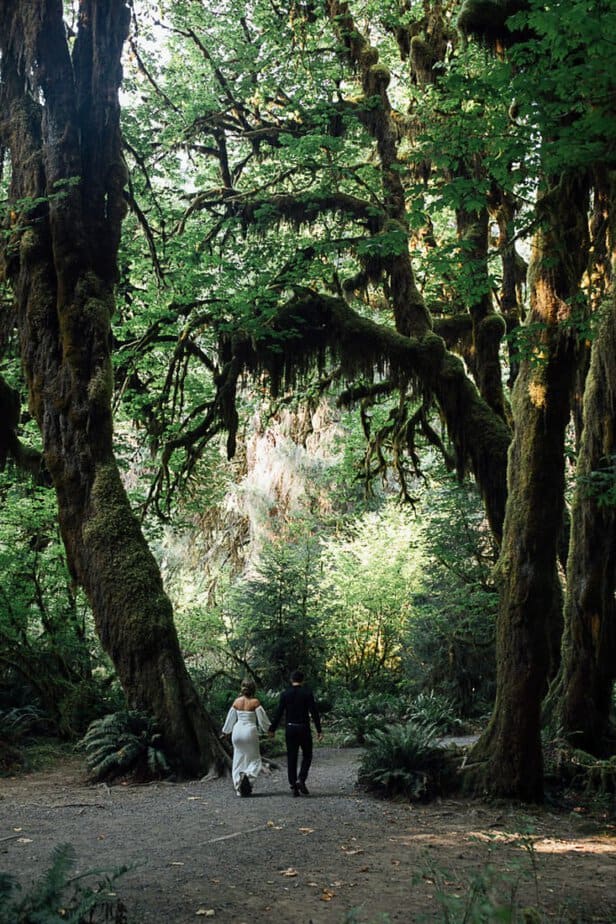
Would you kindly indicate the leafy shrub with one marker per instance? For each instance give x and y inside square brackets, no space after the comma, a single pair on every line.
[489,896]
[436,710]
[124,744]
[17,723]
[58,897]
[588,778]
[355,717]
[405,760]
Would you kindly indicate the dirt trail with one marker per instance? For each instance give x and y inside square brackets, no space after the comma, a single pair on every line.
[196,850]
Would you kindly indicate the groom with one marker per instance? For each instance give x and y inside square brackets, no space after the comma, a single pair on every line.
[298,704]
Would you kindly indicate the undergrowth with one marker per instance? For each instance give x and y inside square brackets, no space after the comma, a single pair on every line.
[124,744]
[59,896]
[406,760]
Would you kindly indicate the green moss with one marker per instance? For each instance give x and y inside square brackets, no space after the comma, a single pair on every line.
[124,573]
[492,329]
[380,75]
[28,243]
[422,57]
[369,56]
[100,387]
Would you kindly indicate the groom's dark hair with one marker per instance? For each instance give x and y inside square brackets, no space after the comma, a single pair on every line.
[297,677]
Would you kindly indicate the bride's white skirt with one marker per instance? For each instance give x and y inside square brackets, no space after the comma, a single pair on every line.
[244,728]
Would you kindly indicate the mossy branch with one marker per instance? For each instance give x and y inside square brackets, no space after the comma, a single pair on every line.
[25,457]
[313,329]
[298,211]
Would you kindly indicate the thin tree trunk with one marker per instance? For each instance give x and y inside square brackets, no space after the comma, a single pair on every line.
[67,188]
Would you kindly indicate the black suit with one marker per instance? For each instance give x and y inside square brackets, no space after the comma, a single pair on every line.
[298,705]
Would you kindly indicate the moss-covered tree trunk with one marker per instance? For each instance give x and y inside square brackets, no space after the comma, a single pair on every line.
[62,131]
[528,632]
[588,670]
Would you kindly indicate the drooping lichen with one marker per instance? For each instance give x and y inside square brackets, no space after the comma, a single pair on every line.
[487,21]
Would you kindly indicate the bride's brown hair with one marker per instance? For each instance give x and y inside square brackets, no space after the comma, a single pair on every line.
[247,687]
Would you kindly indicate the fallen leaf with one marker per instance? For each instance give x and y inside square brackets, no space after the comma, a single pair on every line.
[395,862]
[24,840]
[205,912]
[306,830]
[312,883]
[17,829]
[194,798]
[327,895]
[176,863]
[351,851]
[288,872]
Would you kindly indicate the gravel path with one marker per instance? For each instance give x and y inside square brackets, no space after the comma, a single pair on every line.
[196,850]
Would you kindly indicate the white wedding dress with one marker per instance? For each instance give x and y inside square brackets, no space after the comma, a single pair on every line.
[243,726]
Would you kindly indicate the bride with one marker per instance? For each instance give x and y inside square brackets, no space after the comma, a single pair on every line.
[245,719]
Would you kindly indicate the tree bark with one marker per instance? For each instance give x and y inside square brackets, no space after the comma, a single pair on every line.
[67,183]
[508,755]
[584,687]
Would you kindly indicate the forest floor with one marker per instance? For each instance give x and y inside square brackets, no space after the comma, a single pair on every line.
[196,850]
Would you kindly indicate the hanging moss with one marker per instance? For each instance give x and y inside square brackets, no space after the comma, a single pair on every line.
[298,211]
[381,76]
[368,56]
[423,59]
[315,330]
[486,20]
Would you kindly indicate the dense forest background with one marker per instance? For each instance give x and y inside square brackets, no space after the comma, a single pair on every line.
[308,333]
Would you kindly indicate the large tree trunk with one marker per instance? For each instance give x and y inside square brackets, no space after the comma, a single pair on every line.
[67,182]
[584,687]
[528,631]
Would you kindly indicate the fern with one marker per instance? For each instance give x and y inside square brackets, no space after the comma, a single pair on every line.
[18,722]
[405,760]
[435,709]
[124,744]
[355,717]
[58,897]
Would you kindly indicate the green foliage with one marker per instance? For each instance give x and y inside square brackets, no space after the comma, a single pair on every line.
[124,744]
[600,484]
[570,96]
[450,637]
[583,776]
[436,711]
[370,571]
[19,722]
[279,623]
[354,717]
[48,651]
[489,896]
[59,896]
[405,760]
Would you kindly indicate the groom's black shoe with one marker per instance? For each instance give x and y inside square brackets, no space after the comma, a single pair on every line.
[295,790]
[303,788]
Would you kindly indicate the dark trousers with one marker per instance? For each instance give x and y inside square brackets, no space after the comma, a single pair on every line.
[298,736]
